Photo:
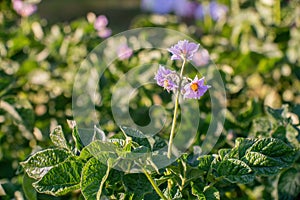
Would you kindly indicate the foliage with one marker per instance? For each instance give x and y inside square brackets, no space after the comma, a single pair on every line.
[190,177]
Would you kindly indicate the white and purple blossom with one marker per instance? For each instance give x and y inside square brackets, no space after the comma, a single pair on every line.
[195,89]
[167,78]
[124,52]
[183,50]
[23,8]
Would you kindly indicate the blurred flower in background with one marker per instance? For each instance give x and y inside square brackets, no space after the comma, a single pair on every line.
[158,6]
[24,9]
[124,52]
[100,25]
[101,22]
[184,8]
[215,10]
[201,58]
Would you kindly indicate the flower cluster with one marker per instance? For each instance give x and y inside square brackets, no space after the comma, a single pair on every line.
[172,81]
[186,8]
[23,8]
[100,25]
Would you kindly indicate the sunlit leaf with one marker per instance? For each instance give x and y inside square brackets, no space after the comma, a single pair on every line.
[37,165]
[61,179]
[94,175]
[58,138]
[235,171]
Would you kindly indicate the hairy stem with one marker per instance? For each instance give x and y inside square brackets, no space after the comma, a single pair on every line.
[175,112]
[156,188]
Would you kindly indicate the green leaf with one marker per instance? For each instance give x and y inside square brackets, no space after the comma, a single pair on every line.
[239,150]
[137,184]
[223,152]
[261,126]
[279,114]
[136,135]
[235,171]
[103,150]
[271,147]
[94,175]
[211,193]
[243,144]
[198,190]
[289,184]
[269,155]
[205,162]
[61,179]
[58,138]
[75,134]
[292,136]
[37,165]
[20,110]
[28,189]
[173,193]
[262,164]
[98,134]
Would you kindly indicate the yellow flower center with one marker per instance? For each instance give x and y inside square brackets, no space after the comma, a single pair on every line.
[194,87]
[166,83]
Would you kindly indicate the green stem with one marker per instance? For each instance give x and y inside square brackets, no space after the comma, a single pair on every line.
[277,12]
[156,188]
[175,112]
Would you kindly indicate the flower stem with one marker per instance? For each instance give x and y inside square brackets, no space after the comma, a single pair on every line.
[175,113]
[156,188]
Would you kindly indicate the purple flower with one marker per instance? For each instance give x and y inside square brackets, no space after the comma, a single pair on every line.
[201,11]
[184,8]
[124,52]
[24,9]
[104,33]
[167,79]
[217,11]
[194,89]
[201,57]
[183,50]
[100,25]
[100,22]
[157,6]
